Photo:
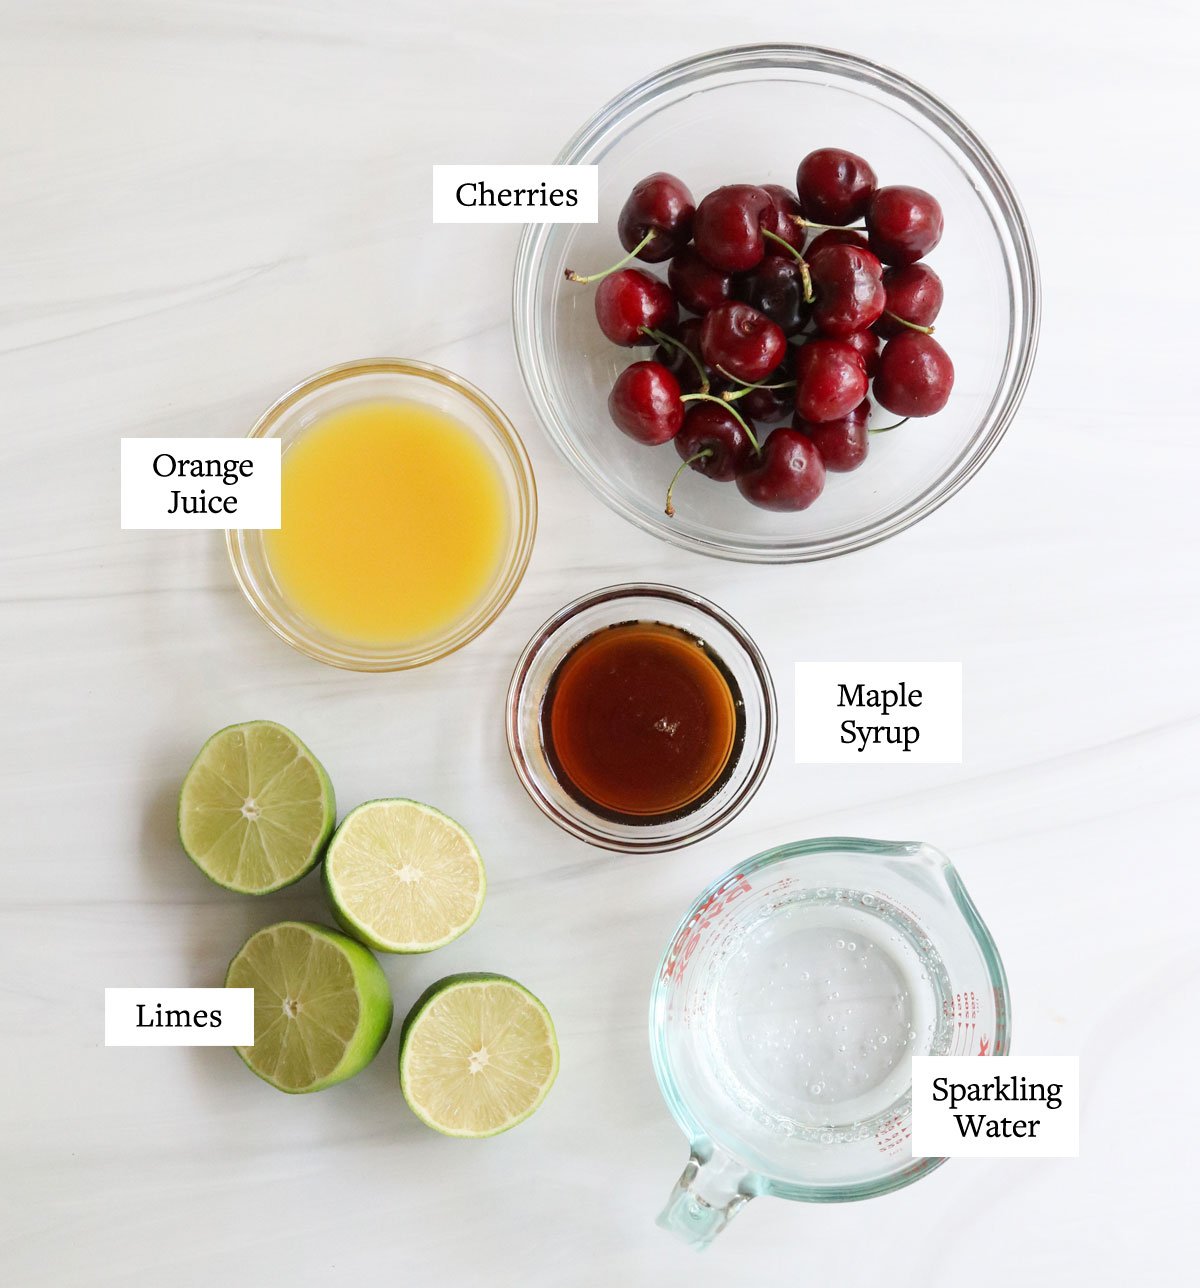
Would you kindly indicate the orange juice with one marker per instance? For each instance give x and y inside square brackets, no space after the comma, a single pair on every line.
[394,522]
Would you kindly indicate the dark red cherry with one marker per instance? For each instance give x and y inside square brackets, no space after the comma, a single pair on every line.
[903,224]
[767,405]
[716,430]
[630,299]
[848,282]
[779,221]
[645,403]
[741,342]
[713,442]
[843,443]
[687,372]
[914,293]
[835,237]
[831,380]
[866,343]
[696,284]
[834,186]
[661,204]
[915,375]
[727,229]
[789,475]
[776,288]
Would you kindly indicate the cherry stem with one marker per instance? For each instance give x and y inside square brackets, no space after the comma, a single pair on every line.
[840,228]
[733,411]
[805,279]
[661,337]
[748,385]
[708,451]
[884,429]
[912,326]
[572,276]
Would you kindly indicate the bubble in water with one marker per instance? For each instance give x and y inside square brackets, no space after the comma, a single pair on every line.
[883,1037]
[815,1088]
[851,945]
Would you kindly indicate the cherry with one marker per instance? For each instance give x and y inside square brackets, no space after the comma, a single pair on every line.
[645,403]
[713,442]
[849,287]
[843,443]
[707,427]
[903,224]
[696,284]
[835,237]
[789,475]
[834,186]
[765,404]
[783,219]
[728,226]
[741,342]
[662,205]
[915,375]
[866,343]
[831,380]
[776,288]
[631,301]
[682,358]
[914,295]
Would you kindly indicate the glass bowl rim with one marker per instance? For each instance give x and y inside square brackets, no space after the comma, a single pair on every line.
[510,573]
[1022,275]
[680,1111]
[692,827]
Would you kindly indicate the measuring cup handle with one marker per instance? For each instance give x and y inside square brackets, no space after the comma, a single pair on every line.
[709,1194]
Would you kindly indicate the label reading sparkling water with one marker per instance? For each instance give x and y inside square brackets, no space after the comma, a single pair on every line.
[1002,1107]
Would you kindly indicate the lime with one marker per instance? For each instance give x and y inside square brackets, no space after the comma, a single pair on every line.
[477,1055]
[403,877]
[321,1005]
[256,808]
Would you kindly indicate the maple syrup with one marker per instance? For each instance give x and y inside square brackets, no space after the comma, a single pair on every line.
[642,722]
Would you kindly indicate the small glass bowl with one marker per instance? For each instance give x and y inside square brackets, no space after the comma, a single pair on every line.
[692,119]
[668,606]
[391,379]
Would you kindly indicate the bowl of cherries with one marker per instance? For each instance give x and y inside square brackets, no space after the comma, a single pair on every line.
[804,319]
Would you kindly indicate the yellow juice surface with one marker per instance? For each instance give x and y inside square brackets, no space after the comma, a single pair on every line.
[394,522]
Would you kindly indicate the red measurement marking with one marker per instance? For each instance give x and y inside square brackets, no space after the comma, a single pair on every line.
[984,1045]
[688,939]
[893,1134]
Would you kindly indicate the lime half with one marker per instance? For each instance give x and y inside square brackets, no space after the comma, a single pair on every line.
[403,877]
[321,1005]
[256,808]
[477,1055]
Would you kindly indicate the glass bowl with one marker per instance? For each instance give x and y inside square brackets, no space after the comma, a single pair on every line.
[693,119]
[616,605]
[391,379]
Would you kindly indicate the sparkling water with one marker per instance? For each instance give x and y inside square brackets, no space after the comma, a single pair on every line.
[813,1008]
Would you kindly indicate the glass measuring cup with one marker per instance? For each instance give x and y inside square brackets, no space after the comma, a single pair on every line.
[787,1009]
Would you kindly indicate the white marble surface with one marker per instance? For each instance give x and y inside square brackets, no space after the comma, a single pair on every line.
[202,202]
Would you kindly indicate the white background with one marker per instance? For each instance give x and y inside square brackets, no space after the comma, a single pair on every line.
[202,203]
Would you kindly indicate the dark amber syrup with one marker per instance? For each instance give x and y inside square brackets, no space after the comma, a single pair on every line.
[642,723]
